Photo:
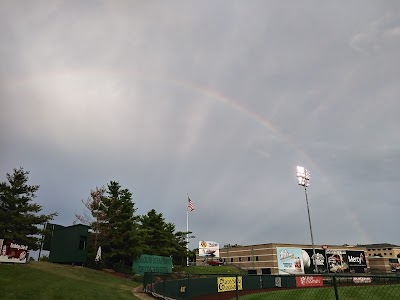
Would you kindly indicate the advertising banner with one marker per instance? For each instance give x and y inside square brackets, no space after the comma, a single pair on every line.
[152,263]
[208,249]
[12,252]
[358,280]
[226,284]
[308,261]
[356,261]
[394,264]
[309,281]
[290,260]
[337,261]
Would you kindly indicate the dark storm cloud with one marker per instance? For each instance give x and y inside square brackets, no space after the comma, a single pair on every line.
[218,100]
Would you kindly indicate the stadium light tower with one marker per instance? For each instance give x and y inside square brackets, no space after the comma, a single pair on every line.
[303,178]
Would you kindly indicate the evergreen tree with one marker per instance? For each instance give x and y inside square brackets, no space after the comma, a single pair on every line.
[19,219]
[117,225]
[160,238]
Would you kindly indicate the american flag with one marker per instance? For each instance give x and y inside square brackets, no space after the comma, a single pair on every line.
[190,204]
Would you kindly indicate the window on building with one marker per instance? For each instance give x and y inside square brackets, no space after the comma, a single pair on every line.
[231,259]
[390,253]
[248,259]
[256,258]
[82,242]
[384,253]
[240,259]
[224,260]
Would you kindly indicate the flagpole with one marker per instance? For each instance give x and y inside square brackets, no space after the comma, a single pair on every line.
[187,231]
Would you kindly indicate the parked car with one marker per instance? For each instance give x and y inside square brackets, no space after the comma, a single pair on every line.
[218,262]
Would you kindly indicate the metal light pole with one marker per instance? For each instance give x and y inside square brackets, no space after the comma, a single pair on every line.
[303,178]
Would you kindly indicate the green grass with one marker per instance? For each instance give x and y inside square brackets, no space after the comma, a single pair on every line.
[381,292]
[43,280]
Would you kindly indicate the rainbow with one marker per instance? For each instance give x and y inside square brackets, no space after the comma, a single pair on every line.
[213,95]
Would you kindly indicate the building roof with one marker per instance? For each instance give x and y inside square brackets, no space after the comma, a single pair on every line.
[380,246]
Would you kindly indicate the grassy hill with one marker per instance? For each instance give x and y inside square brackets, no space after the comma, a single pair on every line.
[43,280]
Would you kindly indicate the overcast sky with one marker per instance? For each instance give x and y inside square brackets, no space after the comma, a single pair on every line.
[216,99]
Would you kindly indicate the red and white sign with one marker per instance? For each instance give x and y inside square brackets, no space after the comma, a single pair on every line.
[12,252]
[309,281]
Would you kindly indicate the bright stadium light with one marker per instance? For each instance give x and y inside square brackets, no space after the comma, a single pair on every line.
[303,178]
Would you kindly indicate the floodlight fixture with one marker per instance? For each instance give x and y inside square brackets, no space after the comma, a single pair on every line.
[303,176]
[303,179]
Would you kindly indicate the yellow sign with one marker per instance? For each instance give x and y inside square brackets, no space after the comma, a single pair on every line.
[226,284]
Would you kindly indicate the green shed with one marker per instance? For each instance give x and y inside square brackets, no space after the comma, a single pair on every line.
[66,244]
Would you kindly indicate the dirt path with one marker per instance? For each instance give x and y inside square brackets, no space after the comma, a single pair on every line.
[138,292]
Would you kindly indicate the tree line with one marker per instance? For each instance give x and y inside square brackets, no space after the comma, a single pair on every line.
[109,211]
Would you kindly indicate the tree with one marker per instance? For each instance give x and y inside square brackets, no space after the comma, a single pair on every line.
[160,237]
[19,219]
[156,236]
[114,223]
[93,215]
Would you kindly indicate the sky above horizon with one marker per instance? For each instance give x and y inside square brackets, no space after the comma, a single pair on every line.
[218,100]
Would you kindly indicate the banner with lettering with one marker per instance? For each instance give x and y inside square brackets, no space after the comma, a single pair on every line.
[152,263]
[12,252]
[309,281]
[208,249]
[337,260]
[308,261]
[226,284]
[394,264]
[290,260]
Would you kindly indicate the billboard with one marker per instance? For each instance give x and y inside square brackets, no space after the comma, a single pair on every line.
[208,249]
[394,264]
[327,261]
[356,261]
[152,263]
[12,252]
[320,260]
[290,260]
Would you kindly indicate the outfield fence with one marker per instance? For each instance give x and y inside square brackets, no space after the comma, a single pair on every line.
[275,287]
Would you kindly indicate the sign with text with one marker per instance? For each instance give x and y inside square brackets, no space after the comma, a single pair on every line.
[152,263]
[208,249]
[394,264]
[309,281]
[301,261]
[226,284]
[358,280]
[356,258]
[309,258]
[12,252]
[337,261]
[290,260]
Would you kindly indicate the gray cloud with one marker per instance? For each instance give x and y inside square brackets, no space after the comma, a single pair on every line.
[218,100]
